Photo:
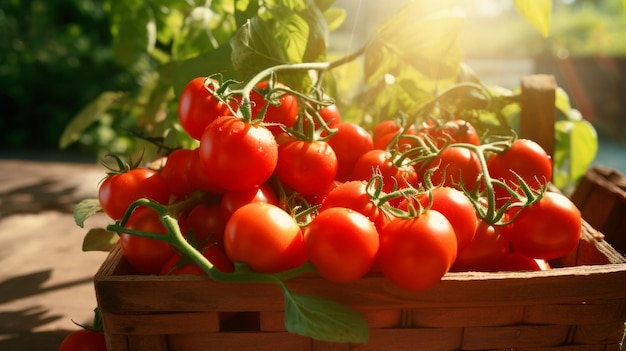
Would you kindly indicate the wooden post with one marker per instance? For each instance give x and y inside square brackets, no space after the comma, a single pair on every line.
[538,110]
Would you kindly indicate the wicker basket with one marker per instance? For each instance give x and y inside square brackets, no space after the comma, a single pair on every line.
[601,198]
[579,305]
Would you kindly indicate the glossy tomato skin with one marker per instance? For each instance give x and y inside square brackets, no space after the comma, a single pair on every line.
[415,253]
[264,237]
[118,191]
[206,223]
[455,131]
[176,173]
[197,107]
[458,209]
[232,200]
[342,244]
[487,249]
[285,112]
[547,229]
[145,255]
[198,177]
[525,158]
[454,166]
[402,177]
[237,155]
[306,167]
[349,142]
[84,340]
[353,195]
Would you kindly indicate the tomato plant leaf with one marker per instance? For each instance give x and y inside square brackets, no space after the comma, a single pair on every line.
[335,17]
[216,61]
[134,30]
[196,35]
[87,116]
[99,239]
[323,319]
[576,147]
[537,12]
[85,209]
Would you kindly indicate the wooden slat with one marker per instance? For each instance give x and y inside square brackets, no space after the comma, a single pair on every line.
[466,316]
[147,342]
[155,324]
[238,341]
[583,313]
[432,339]
[602,333]
[538,113]
[523,336]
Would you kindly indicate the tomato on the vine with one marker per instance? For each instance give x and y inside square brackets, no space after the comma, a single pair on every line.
[487,249]
[207,224]
[415,253]
[237,155]
[198,107]
[119,190]
[178,264]
[176,172]
[232,200]
[393,176]
[145,255]
[454,166]
[547,229]
[524,158]
[264,237]
[342,244]
[454,131]
[285,112]
[84,340]
[354,195]
[349,142]
[459,210]
[308,167]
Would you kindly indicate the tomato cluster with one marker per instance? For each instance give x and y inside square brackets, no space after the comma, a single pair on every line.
[296,184]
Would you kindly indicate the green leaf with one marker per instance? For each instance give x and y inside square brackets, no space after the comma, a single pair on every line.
[134,30]
[335,17]
[323,319]
[255,48]
[87,116]
[99,239]
[203,65]
[562,102]
[196,36]
[426,44]
[85,209]
[575,149]
[537,12]
[325,5]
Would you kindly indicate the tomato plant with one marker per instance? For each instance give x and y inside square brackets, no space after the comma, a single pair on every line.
[198,107]
[84,340]
[455,167]
[280,109]
[119,190]
[308,167]
[264,237]
[393,175]
[237,155]
[342,244]
[415,253]
[145,255]
[547,229]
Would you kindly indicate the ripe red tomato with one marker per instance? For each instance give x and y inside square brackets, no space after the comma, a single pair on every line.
[306,167]
[118,191]
[349,142]
[353,195]
[232,200]
[285,112]
[458,164]
[264,237]
[198,177]
[84,340]
[197,107]
[393,176]
[206,223]
[547,229]
[514,261]
[458,209]
[487,249]
[415,253]
[331,115]
[176,173]
[455,131]
[341,244]
[145,255]
[237,155]
[525,158]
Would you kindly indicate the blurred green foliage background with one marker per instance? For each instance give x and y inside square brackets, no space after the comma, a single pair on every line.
[56,56]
